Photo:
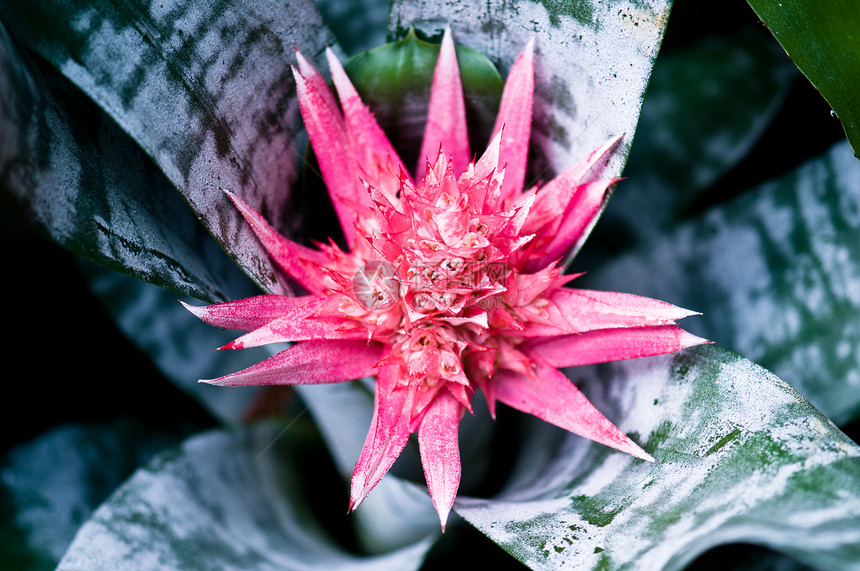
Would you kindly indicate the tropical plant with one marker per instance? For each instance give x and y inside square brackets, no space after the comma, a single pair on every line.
[121,124]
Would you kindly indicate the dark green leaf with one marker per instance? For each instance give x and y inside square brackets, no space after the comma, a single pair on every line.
[741,457]
[236,499]
[203,87]
[822,39]
[50,486]
[88,187]
[776,274]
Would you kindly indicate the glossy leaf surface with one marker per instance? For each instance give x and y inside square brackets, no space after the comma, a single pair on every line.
[822,39]
[83,183]
[204,88]
[740,457]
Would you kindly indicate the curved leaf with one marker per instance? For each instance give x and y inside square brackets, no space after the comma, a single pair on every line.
[88,187]
[740,457]
[701,117]
[174,340]
[397,512]
[203,87]
[223,500]
[593,60]
[822,39]
[51,485]
[776,274]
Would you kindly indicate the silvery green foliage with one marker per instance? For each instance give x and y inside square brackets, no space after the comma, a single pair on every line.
[741,457]
[228,499]
[85,184]
[203,87]
[776,274]
[52,484]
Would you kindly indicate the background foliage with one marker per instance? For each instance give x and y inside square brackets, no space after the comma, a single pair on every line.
[731,135]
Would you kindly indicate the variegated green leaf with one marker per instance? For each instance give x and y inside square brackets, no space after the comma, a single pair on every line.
[204,88]
[741,457]
[237,499]
[50,486]
[83,183]
[776,274]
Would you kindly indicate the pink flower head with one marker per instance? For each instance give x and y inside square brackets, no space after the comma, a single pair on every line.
[451,283]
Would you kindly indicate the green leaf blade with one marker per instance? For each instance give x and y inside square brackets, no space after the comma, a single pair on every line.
[593,61]
[80,181]
[51,485]
[822,39]
[204,88]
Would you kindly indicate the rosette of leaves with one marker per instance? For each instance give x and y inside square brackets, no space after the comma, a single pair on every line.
[120,123]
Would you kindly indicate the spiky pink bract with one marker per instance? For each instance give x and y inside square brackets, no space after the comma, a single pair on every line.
[451,283]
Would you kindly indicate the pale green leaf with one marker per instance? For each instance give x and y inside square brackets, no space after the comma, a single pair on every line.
[50,486]
[776,274]
[741,457]
[237,499]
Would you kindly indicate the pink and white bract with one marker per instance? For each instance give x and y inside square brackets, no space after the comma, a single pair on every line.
[451,282]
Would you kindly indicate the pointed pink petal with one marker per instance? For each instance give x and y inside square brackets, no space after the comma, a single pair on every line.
[592,160]
[446,116]
[552,397]
[249,313]
[315,78]
[309,363]
[586,204]
[300,324]
[515,115]
[607,345]
[582,310]
[440,451]
[389,431]
[302,264]
[327,132]
[366,139]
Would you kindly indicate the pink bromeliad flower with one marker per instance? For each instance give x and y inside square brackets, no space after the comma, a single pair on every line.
[451,284]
